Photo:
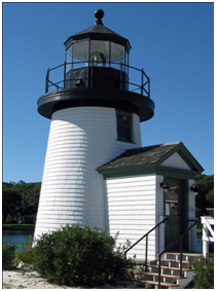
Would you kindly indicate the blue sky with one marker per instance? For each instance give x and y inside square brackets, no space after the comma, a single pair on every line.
[172,42]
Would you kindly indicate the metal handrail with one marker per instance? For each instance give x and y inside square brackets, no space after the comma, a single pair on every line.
[179,238]
[144,86]
[145,235]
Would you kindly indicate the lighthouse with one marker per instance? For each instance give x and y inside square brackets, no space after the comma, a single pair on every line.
[95,108]
[96,171]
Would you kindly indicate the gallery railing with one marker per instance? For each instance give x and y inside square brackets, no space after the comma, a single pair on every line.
[139,82]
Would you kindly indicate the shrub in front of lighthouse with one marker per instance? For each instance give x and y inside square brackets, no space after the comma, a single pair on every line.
[77,256]
[8,256]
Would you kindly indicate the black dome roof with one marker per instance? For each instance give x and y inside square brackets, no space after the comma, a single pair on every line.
[99,32]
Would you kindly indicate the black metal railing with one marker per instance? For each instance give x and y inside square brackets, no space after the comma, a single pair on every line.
[56,77]
[146,247]
[178,239]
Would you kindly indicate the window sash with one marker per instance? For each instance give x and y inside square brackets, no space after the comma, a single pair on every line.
[124,126]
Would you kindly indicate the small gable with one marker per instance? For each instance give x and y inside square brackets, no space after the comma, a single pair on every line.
[175,161]
[153,159]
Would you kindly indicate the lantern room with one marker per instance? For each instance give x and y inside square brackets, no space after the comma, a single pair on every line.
[92,50]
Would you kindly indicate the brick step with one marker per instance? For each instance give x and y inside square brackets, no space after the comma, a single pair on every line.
[170,268]
[173,261]
[175,277]
[162,284]
[184,254]
[189,255]
[170,271]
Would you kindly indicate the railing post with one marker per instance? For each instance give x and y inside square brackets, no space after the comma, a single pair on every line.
[121,77]
[64,72]
[142,82]
[146,254]
[148,87]
[47,81]
[89,74]
[205,241]
[207,233]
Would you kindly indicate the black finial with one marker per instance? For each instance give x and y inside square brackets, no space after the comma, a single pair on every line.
[99,14]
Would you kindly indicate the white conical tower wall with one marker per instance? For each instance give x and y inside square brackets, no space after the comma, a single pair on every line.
[80,140]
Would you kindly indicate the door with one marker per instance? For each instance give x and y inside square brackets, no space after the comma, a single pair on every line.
[172,210]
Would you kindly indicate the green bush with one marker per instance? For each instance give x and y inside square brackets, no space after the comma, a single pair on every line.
[26,255]
[78,256]
[8,256]
[204,272]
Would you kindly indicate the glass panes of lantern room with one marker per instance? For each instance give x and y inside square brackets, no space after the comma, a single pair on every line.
[97,53]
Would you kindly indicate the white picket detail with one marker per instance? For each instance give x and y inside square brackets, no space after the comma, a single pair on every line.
[208,233]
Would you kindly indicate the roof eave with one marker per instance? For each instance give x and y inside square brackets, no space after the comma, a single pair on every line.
[129,170]
[151,169]
[92,33]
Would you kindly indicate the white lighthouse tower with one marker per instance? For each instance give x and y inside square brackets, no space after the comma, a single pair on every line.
[95,111]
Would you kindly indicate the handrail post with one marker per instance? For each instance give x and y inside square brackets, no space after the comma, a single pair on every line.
[125,260]
[181,249]
[179,238]
[146,254]
[146,250]
[148,87]
[159,271]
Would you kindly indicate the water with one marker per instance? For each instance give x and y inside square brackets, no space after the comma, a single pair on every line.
[17,237]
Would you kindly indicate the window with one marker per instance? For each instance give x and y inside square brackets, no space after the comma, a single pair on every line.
[99,53]
[69,59]
[171,201]
[117,56]
[124,126]
[80,54]
[77,55]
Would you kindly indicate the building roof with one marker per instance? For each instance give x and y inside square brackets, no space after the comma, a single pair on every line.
[146,157]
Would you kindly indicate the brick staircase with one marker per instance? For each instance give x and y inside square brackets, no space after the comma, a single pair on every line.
[170,272]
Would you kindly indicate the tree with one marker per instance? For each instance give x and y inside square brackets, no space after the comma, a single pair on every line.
[11,204]
[205,196]
[19,198]
[30,197]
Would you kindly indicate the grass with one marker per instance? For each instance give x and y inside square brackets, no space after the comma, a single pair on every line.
[18,225]
[5,286]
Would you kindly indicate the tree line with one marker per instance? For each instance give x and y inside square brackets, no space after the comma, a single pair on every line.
[19,199]
[22,198]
